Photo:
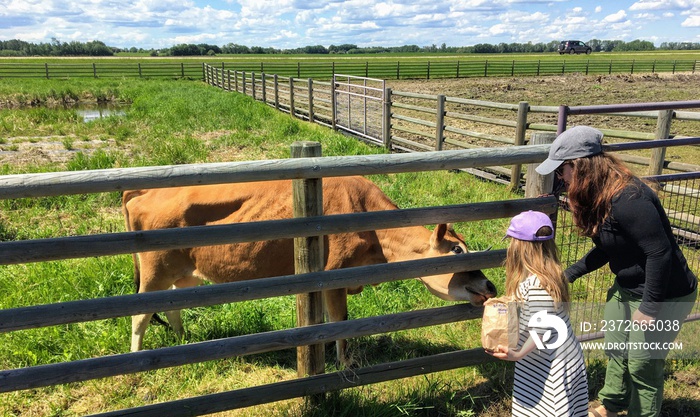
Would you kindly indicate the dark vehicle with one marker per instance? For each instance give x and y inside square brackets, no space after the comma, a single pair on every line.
[573,47]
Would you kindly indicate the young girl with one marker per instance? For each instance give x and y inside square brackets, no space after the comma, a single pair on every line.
[550,373]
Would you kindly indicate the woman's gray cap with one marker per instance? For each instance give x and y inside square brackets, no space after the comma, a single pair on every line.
[577,142]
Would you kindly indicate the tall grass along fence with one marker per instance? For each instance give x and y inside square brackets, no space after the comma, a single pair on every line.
[412,122]
[310,168]
[400,69]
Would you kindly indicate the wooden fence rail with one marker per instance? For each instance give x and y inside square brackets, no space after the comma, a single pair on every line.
[148,360]
[120,179]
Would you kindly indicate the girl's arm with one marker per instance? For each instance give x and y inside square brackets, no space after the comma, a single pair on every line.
[506,354]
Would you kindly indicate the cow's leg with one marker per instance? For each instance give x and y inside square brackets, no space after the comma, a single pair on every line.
[175,316]
[175,321]
[151,276]
[139,323]
[335,302]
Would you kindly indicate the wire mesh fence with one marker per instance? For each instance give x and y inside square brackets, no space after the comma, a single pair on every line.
[680,196]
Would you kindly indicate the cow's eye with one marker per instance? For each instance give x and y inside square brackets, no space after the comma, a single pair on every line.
[457,249]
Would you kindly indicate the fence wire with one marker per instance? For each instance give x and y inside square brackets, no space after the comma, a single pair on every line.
[680,196]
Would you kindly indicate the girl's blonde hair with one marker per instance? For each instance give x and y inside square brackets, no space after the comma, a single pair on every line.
[539,258]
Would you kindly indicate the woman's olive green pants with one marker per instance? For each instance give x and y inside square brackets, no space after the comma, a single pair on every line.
[634,380]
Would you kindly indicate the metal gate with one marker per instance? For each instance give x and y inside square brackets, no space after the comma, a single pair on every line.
[359,106]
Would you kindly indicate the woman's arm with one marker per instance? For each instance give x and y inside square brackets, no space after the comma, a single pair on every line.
[594,259]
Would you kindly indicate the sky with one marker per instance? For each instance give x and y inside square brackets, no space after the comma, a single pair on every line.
[288,24]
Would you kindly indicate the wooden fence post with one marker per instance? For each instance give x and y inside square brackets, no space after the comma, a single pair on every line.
[308,257]
[386,125]
[252,85]
[536,184]
[292,112]
[276,89]
[263,81]
[663,131]
[440,123]
[334,102]
[520,129]
[311,99]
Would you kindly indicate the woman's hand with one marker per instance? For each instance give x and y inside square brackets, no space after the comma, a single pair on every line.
[641,318]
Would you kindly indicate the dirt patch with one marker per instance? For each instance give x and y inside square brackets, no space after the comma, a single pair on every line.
[42,150]
[488,126]
[572,90]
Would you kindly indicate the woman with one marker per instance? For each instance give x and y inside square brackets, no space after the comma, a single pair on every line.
[549,381]
[654,290]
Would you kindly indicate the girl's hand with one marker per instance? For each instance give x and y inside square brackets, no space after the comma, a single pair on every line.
[505,354]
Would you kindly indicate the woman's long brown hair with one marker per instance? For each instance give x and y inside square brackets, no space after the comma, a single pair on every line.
[541,258]
[595,181]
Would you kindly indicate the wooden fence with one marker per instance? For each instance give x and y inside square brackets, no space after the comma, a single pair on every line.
[35,185]
[400,69]
[412,122]
[50,184]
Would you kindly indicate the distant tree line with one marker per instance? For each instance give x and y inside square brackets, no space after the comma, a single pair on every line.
[17,47]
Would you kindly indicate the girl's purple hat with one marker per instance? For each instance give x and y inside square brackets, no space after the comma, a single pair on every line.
[525,225]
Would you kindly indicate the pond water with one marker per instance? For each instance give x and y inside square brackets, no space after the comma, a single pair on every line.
[94,111]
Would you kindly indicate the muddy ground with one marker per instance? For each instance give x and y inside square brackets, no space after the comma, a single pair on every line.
[571,89]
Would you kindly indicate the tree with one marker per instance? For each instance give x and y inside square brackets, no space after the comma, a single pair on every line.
[315,49]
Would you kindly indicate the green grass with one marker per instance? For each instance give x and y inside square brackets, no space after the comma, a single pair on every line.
[385,66]
[173,122]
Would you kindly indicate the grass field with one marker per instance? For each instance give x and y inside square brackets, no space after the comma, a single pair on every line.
[384,66]
[173,122]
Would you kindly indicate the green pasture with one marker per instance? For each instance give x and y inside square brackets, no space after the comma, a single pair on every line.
[385,66]
[178,122]
[174,122]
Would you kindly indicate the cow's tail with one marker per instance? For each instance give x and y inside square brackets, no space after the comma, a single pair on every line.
[126,197]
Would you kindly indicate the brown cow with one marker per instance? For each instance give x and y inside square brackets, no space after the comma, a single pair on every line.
[246,202]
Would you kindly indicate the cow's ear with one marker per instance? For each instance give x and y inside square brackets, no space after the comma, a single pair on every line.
[438,234]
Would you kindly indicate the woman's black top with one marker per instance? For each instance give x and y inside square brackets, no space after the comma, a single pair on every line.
[637,241]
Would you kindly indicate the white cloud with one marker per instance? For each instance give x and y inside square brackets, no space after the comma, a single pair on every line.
[616,17]
[691,22]
[598,9]
[664,4]
[499,29]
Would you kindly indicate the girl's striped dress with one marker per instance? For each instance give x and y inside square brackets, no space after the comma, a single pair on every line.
[549,382]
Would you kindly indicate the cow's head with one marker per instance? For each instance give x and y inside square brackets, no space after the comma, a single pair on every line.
[472,286]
